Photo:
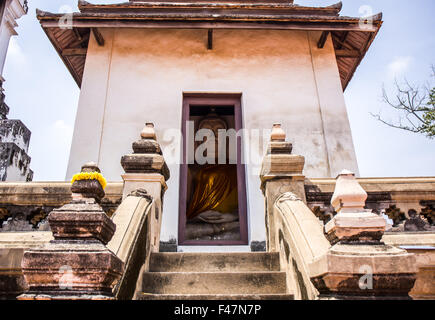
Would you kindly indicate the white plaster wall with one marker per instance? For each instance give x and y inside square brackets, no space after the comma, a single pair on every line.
[336,127]
[88,127]
[140,75]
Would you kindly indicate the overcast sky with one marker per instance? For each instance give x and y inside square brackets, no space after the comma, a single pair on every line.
[41,92]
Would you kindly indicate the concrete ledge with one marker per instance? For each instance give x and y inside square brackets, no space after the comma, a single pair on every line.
[422,245]
[40,198]
[12,247]
[11,240]
[47,193]
[409,238]
[415,188]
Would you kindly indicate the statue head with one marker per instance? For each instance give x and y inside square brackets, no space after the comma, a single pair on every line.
[213,122]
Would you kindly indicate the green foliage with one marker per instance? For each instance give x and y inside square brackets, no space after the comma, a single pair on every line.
[428,126]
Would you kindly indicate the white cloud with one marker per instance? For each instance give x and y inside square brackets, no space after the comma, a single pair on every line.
[63,131]
[15,53]
[399,65]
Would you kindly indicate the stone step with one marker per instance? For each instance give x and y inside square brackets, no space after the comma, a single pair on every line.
[273,296]
[264,282]
[209,262]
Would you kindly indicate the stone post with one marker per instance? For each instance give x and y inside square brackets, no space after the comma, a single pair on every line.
[359,265]
[146,169]
[353,223]
[76,264]
[281,172]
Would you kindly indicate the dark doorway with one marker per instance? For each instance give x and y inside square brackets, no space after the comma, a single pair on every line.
[212,207]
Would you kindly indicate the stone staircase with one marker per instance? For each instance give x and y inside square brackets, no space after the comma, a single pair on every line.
[215,276]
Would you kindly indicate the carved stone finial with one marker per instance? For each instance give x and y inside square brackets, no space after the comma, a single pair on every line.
[277,144]
[90,167]
[148,131]
[88,188]
[278,134]
[348,193]
[353,223]
[279,162]
[147,155]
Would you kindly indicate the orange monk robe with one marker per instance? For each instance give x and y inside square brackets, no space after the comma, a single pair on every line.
[215,189]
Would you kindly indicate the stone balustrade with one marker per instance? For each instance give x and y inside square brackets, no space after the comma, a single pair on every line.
[294,230]
[80,226]
[146,169]
[76,264]
[396,198]
[139,216]
[354,263]
[300,240]
[25,206]
[131,241]
[359,265]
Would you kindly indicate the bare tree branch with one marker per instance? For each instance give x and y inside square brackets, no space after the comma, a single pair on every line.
[415,106]
[400,126]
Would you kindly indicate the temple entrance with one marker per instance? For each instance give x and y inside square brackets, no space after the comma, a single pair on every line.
[212,208]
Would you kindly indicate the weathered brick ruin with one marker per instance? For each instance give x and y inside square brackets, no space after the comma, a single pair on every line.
[14,147]
[14,135]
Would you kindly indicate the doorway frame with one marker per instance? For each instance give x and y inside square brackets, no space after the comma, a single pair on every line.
[215,100]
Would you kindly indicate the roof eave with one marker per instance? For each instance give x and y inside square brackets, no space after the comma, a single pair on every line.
[233,21]
[51,21]
[379,23]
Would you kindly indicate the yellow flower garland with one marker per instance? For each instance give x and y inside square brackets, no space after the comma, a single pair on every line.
[90,176]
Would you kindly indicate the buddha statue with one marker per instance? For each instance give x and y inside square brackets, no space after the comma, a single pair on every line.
[213,207]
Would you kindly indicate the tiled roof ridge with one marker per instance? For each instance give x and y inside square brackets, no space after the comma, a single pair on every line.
[280,17]
[84,5]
